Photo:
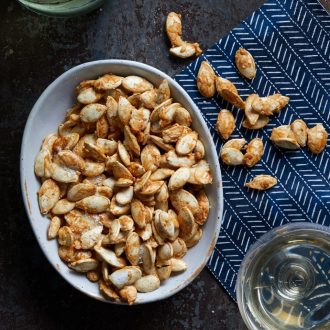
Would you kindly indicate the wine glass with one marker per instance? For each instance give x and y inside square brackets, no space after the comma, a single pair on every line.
[284,280]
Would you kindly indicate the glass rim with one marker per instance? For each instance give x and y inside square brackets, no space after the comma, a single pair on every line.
[292,226]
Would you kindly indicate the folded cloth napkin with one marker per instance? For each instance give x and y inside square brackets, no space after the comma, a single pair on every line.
[290,42]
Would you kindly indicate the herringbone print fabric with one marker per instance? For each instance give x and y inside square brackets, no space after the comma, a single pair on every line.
[289,41]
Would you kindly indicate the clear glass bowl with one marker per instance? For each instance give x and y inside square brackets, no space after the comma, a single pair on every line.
[284,280]
[61,8]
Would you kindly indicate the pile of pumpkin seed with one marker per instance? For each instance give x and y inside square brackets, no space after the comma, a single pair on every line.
[123,185]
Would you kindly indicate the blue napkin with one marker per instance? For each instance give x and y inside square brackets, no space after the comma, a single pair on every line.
[290,42]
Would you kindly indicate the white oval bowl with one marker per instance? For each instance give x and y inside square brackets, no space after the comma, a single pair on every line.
[48,112]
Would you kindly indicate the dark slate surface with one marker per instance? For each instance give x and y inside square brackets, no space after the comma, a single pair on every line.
[34,50]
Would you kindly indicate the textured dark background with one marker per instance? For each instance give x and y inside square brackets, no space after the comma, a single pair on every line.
[34,50]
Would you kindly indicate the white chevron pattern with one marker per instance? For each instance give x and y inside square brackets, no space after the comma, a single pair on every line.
[290,41]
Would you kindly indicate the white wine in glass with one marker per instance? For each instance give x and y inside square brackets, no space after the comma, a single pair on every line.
[284,280]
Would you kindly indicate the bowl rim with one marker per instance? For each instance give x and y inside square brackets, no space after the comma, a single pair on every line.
[194,108]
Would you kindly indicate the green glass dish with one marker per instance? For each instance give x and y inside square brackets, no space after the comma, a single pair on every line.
[61,8]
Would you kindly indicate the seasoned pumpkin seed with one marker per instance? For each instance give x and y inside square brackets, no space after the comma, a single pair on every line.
[122,164]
